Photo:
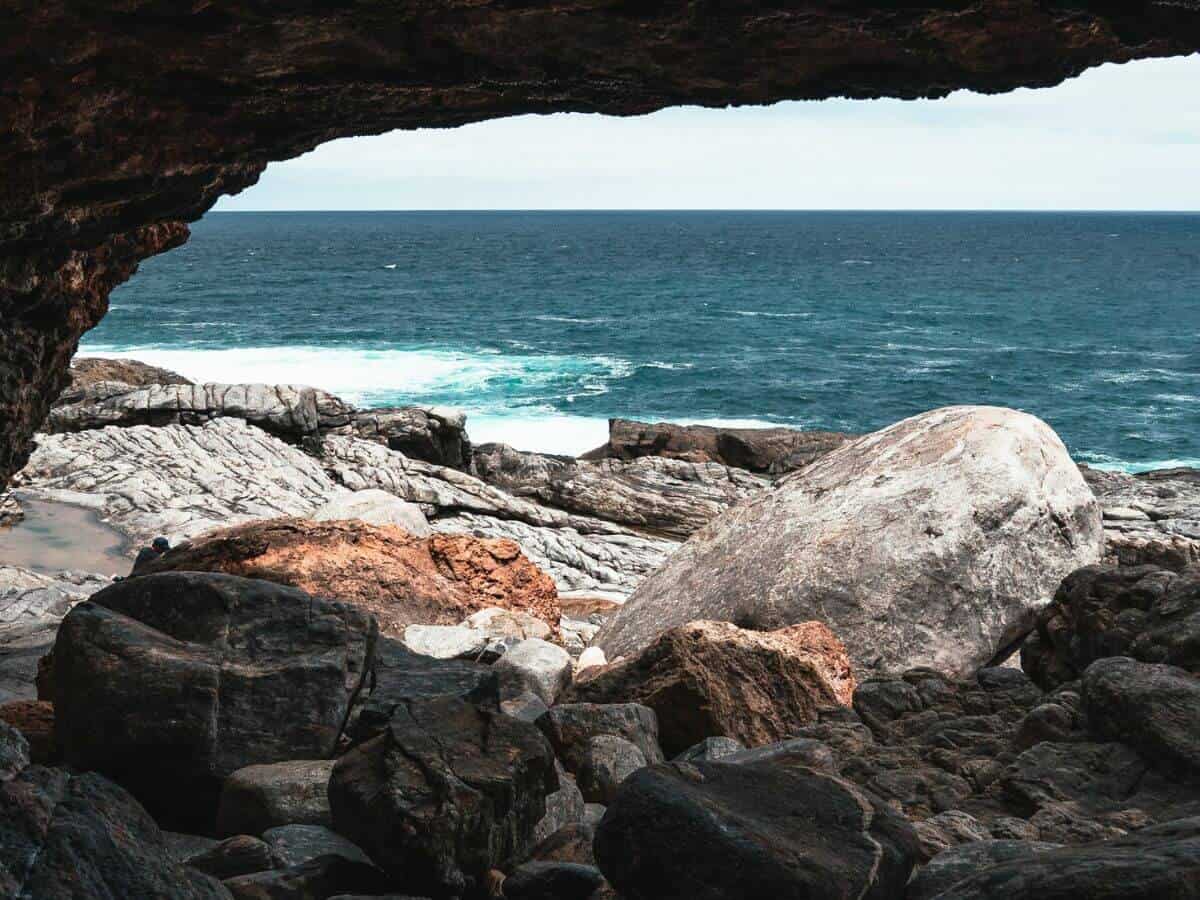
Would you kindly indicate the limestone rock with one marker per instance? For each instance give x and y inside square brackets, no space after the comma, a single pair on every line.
[751,832]
[534,665]
[767,450]
[1146,612]
[170,683]
[432,433]
[931,542]
[375,507]
[67,836]
[398,578]
[259,797]
[445,641]
[709,679]
[447,793]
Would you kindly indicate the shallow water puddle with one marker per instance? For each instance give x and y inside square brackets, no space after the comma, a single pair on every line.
[56,536]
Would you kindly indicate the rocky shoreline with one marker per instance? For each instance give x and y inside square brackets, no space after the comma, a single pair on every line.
[383,661]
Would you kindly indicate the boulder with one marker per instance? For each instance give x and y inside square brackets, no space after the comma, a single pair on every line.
[256,798]
[571,842]
[445,641]
[35,720]
[1145,612]
[564,807]
[695,831]
[1155,863]
[169,683]
[570,727]
[709,679]
[238,855]
[375,507]
[710,750]
[932,542]
[435,434]
[960,862]
[316,879]
[14,752]
[766,450]
[88,370]
[552,881]
[534,665]
[607,761]
[293,845]
[799,751]
[400,579]
[401,677]
[1154,708]
[447,793]
[65,836]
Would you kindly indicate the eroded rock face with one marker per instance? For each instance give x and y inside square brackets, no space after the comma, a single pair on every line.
[89,370]
[169,683]
[122,135]
[751,831]
[931,542]
[766,450]
[449,791]
[709,679]
[398,578]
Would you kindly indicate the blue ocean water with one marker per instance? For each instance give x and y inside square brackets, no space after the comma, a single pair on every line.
[542,325]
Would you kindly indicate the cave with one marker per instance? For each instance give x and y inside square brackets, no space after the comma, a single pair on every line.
[125,120]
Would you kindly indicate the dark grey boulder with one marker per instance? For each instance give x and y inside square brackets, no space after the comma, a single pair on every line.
[715,831]
[797,751]
[68,837]
[239,855]
[296,844]
[1155,708]
[1156,863]
[571,843]
[552,881]
[447,793]
[14,751]
[317,879]
[170,683]
[710,749]
[401,676]
[570,726]
[564,806]
[256,798]
[959,863]
[607,761]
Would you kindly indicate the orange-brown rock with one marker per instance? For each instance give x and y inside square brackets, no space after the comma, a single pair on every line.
[401,579]
[712,678]
[35,720]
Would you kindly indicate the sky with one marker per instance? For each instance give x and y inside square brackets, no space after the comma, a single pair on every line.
[1118,137]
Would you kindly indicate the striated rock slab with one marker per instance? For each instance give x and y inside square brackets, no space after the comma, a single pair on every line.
[178,480]
[771,451]
[375,507]
[432,433]
[1146,612]
[931,542]
[31,606]
[384,571]
[169,683]
[89,370]
[665,496]
[711,679]
[714,831]
[10,509]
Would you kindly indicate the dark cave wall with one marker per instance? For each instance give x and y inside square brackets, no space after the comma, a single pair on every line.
[123,120]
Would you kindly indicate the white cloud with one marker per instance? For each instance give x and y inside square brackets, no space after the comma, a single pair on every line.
[1118,137]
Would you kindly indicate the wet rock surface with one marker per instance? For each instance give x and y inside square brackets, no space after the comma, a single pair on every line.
[931,542]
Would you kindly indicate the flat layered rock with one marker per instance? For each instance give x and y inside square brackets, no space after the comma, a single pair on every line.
[932,542]
[398,578]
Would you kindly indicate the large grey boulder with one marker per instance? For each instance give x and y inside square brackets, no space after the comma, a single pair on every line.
[375,507]
[931,543]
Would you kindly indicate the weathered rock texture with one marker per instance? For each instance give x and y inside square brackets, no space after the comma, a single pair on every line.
[1145,612]
[766,450]
[142,117]
[1150,518]
[89,370]
[169,683]
[384,571]
[710,679]
[931,542]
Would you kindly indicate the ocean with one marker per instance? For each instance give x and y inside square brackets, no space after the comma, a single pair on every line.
[542,325]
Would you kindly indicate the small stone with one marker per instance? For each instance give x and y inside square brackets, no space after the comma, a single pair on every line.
[444,641]
[607,761]
[710,750]
[590,657]
[534,665]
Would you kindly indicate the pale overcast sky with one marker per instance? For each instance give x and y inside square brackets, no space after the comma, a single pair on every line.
[1118,137]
